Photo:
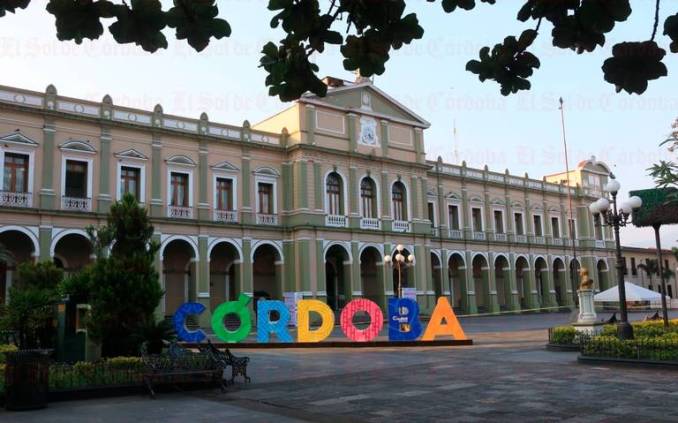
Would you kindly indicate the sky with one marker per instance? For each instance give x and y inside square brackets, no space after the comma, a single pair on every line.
[521,133]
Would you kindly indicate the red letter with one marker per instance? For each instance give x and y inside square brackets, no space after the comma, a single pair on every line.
[376,320]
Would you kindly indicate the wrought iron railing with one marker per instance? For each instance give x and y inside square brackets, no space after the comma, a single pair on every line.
[76,204]
[401,226]
[370,223]
[336,220]
[226,216]
[16,199]
[456,234]
[267,219]
[655,349]
[180,212]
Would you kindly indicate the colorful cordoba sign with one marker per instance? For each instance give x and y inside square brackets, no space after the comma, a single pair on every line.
[403,321]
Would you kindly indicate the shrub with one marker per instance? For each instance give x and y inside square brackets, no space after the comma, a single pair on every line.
[563,335]
[659,348]
[5,348]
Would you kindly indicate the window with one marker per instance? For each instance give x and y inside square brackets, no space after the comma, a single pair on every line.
[634,269]
[453,217]
[333,191]
[76,179]
[431,214]
[670,290]
[572,228]
[16,173]
[555,227]
[518,221]
[666,264]
[399,201]
[265,192]
[368,198]
[179,189]
[130,181]
[626,266]
[224,188]
[597,226]
[477,218]
[498,221]
[538,231]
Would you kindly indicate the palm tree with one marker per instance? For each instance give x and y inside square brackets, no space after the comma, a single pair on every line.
[650,267]
[6,256]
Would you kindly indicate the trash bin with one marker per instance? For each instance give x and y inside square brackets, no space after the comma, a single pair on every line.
[26,379]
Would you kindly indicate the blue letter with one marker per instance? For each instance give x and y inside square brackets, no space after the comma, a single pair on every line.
[403,319]
[264,324]
[180,322]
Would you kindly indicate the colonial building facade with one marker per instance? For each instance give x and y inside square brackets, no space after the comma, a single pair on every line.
[637,268]
[309,200]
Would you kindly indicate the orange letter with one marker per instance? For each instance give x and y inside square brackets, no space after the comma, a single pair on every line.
[435,327]
[304,332]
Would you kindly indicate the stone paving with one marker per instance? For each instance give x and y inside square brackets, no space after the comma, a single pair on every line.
[506,376]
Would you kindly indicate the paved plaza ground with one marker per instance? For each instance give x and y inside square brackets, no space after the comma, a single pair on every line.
[506,376]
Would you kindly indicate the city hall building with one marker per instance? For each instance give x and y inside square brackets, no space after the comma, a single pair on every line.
[309,201]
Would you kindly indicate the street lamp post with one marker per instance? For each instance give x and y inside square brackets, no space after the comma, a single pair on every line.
[400,262]
[617,218]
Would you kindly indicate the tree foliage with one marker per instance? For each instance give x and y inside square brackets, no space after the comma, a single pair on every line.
[367,32]
[665,173]
[121,286]
[32,304]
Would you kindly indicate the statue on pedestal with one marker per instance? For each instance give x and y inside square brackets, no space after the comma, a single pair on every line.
[587,311]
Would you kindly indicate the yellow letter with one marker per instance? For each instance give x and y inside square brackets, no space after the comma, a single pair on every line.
[304,332]
[435,327]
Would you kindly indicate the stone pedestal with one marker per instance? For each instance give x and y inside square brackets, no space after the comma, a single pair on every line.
[586,321]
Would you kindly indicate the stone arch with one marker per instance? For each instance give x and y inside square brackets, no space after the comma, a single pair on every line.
[502,278]
[560,281]
[22,247]
[28,233]
[232,242]
[456,273]
[224,271]
[74,249]
[603,274]
[275,245]
[522,269]
[189,240]
[481,281]
[372,274]
[541,270]
[178,256]
[337,275]
[436,275]
[267,272]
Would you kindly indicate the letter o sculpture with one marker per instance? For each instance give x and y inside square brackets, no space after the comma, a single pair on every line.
[376,320]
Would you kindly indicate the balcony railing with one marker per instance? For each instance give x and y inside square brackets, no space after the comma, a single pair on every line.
[557,241]
[401,226]
[538,240]
[76,204]
[180,212]
[500,237]
[600,243]
[16,199]
[336,220]
[521,238]
[434,231]
[267,219]
[479,236]
[370,223]
[456,234]
[226,216]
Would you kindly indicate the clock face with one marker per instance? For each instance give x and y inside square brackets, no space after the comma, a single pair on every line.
[368,131]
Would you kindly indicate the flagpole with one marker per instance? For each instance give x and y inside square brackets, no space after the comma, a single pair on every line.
[570,223]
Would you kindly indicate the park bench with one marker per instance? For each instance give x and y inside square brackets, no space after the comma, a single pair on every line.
[225,358]
[180,365]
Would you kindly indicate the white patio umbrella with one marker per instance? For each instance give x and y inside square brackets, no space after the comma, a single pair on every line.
[633,293]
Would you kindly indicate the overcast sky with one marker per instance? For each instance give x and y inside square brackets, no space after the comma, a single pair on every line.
[521,132]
